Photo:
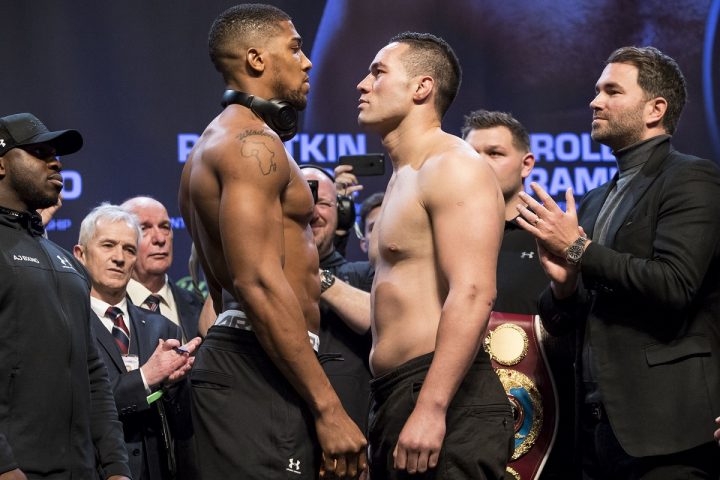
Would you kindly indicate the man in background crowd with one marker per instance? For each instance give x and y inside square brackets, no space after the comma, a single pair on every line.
[150,286]
[369,212]
[139,348]
[505,144]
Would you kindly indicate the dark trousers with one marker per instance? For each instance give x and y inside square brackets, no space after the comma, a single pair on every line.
[249,422]
[604,459]
[479,427]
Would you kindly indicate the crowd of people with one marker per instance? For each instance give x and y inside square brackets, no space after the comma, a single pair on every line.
[301,364]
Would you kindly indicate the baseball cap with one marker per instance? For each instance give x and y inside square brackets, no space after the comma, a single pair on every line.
[25,129]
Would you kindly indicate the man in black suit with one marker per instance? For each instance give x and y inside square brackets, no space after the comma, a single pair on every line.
[140,348]
[637,271]
[150,286]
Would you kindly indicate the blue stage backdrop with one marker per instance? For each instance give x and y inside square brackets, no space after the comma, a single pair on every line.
[134,77]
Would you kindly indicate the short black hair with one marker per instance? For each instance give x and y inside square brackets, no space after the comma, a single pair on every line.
[484,119]
[429,54]
[368,205]
[659,75]
[243,24]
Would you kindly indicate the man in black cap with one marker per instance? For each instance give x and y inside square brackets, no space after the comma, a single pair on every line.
[57,414]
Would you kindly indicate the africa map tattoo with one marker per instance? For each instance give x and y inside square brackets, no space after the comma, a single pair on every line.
[258,150]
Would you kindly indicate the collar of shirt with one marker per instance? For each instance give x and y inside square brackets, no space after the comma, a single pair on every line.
[28,221]
[138,293]
[100,307]
[638,153]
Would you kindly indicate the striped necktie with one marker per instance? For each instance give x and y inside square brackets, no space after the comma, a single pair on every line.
[153,302]
[120,331]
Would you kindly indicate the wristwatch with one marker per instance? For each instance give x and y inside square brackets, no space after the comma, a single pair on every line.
[575,251]
[327,280]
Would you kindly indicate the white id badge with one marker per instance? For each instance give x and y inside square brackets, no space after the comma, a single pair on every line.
[132,362]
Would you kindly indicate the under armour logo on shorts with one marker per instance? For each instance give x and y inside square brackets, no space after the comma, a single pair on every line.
[527,254]
[294,466]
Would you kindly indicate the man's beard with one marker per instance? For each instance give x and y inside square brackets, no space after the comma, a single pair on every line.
[621,132]
[28,190]
[296,98]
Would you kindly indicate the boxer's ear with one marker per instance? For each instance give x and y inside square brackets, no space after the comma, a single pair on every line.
[255,60]
[424,87]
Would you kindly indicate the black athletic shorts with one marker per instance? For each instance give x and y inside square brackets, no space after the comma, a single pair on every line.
[479,425]
[249,421]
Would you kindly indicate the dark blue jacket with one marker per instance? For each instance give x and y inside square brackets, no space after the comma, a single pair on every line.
[56,408]
[142,423]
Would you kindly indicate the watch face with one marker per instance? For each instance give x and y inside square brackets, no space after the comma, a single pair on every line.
[326,280]
[575,252]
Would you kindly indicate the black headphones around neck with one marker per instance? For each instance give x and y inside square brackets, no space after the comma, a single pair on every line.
[345,204]
[277,114]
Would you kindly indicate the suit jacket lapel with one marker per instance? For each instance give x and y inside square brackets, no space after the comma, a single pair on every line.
[637,188]
[591,205]
[107,342]
[137,346]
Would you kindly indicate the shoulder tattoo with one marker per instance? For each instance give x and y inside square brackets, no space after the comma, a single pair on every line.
[254,144]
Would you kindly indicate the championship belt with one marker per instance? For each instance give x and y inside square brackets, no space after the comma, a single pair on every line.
[518,356]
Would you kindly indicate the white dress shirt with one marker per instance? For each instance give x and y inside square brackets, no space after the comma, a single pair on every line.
[138,294]
[100,308]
